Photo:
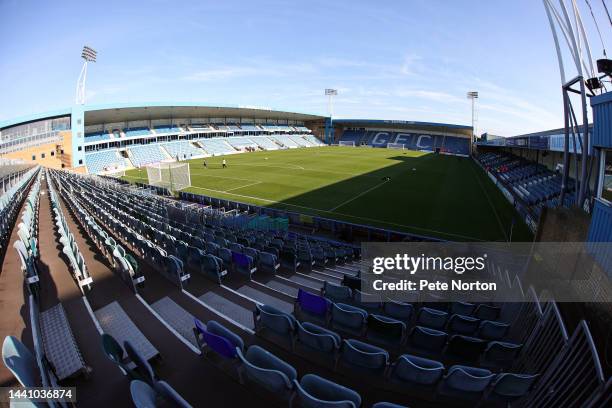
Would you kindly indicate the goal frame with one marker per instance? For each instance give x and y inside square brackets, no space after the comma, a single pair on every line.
[346,143]
[174,176]
[398,146]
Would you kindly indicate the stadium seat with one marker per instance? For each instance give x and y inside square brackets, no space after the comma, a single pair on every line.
[465,347]
[337,293]
[311,306]
[509,387]
[432,318]
[411,370]
[143,369]
[215,337]
[20,362]
[489,330]
[399,310]
[317,392]
[348,318]
[427,339]
[486,312]
[463,324]
[318,338]
[465,382]
[267,370]
[370,302]
[145,396]
[386,330]
[499,353]
[462,308]
[358,354]
[281,323]
[268,262]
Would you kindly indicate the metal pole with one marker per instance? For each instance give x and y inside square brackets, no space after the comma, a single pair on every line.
[585,145]
[565,147]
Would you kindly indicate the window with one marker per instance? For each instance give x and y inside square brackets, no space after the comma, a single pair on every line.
[42,155]
[606,181]
[80,148]
[80,161]
[33,157]
[52,153]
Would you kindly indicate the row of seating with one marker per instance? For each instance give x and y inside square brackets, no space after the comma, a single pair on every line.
[534,183]
[103,160]
[310,308]
[125,265]
[183,150]
[69,246]
[146,154]
[412,141]
[10,200]
[263,368]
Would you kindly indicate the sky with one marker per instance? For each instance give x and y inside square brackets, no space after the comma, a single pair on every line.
[406,59]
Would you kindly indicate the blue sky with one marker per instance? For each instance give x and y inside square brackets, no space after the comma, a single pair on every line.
[409,59]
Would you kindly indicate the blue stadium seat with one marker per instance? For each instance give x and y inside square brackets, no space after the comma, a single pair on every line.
[465,347]
[463,324]
[432,318]
[281,323]
[490,330]
[358,354]
[486,312]
[267,370]
[412,370]
[312,307]
[462,308]
[317,392]
[509,387]
[499,353]
[215,337]
[386,330]
[20,362]
[318,338]
[428,339]
[337,293]
[465,382]
[348,318]
[399,310]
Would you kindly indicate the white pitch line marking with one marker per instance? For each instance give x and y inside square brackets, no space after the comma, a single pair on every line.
[359,195]
[247,185]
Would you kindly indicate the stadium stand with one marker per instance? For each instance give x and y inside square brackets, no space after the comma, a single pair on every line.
[450,354]
[105,159]
[412,141]
[97,137]
[241,142]
[183,150]
[533,183]
[264,143]
[284,141]
[142,155]
[167,129]
[217,146]
[137,131]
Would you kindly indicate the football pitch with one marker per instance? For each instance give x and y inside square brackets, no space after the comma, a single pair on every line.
[423,193]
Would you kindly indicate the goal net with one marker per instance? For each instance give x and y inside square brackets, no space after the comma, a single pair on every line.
[350,143]
[399,146]
[173,176]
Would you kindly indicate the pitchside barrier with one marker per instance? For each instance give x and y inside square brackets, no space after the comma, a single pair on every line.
[346,230]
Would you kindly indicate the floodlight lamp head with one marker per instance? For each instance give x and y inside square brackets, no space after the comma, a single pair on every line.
[89,54]
[472,95]
[604,66]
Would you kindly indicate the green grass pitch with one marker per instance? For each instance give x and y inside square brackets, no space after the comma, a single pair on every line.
[428,194]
